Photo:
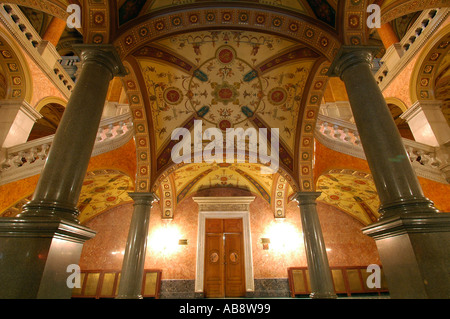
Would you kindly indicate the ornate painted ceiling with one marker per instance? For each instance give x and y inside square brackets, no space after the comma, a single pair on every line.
[226,79]
[320,9]
[211,75]
[103,189]
[248,64]
[351,191]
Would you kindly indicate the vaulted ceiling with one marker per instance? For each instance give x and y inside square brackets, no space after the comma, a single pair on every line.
[248,64]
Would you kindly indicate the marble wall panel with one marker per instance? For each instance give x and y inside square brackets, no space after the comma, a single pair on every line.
[342,235]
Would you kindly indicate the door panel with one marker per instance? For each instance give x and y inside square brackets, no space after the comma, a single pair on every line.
[234,266]
[224,259]
[214,267]
[232,225]
[214,225]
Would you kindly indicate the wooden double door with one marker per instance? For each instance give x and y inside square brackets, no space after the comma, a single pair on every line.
[224,258]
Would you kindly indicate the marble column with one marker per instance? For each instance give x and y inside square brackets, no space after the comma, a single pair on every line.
[388,35]
[130,286]
[396,181]
[316,255]
[54,31]
[60,183]
[38,245]
[410,232]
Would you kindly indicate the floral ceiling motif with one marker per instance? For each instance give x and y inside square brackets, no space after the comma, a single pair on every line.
[223,175]
[102,190]
[225,78]
[352,191]
[321,9]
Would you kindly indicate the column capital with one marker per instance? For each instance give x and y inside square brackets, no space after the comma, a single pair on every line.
[305,198]
[349,56]
[144,198]
[104,54]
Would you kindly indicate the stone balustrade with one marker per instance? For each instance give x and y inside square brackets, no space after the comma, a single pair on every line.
[400,54]
[342,136]
[28,159]
[42,52]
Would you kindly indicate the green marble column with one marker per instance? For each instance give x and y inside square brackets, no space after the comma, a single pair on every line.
[38,245]
[316,255]
[394,177]
[130,286]
[60,183]
[411,234]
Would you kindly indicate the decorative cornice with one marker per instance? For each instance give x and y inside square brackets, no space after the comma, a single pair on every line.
[238,203]
[418,107]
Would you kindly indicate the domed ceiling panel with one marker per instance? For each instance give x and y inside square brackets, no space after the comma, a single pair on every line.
[225,79]
[194,177]
[351,191]
[102,190]
[322,10]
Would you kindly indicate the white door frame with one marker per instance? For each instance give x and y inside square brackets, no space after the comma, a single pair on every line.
[208,206]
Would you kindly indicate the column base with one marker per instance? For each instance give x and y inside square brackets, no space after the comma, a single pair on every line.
[415,254]
[35,253]
[49,210]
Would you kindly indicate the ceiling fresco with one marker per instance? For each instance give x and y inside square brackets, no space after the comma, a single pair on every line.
[225,78]
[324,11]
[103,189]
[192,178]
[351,191]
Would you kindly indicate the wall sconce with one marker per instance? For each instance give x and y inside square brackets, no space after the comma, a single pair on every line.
[182,242]
[265,243]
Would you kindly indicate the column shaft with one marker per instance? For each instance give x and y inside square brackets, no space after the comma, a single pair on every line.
[397,184]
[316,254]
[130,286]
[39,244]
[387,35]
[54,31]
[410,232]
[61,180]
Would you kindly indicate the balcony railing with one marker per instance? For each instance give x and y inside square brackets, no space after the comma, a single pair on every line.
[400,54]
[28,159]
[342,136]
[20,27]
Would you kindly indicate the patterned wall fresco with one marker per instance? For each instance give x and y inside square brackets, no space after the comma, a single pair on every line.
[14,72]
